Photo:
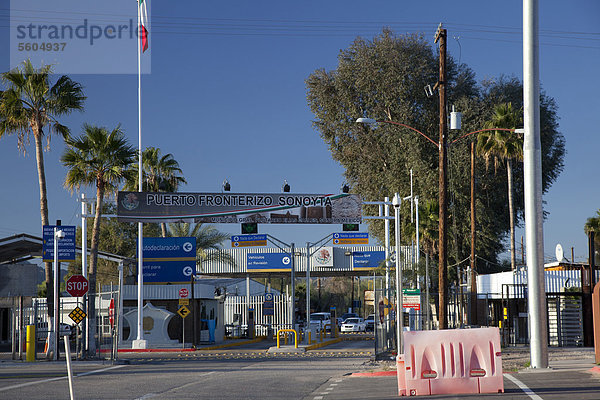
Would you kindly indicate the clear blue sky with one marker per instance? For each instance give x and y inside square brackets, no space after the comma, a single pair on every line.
[226,96]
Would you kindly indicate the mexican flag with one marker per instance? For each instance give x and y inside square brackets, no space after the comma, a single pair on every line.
[143,24]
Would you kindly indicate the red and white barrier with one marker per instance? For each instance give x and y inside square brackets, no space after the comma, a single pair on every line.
[451,361]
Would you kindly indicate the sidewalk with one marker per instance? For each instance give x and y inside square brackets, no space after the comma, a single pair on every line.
[572,375]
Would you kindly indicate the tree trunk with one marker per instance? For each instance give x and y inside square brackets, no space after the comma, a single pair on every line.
[511,211]
[39,156]
[163,229]
[92,271]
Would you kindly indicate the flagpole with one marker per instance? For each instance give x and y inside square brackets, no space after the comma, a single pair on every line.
[140,342]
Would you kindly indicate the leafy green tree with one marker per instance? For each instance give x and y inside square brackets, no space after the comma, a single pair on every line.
[159,174]
[99,158]
[29,105]
[208,241]
[384,79]
[504,146]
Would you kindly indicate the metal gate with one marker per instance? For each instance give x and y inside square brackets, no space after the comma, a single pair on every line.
[565,325]
[236,315]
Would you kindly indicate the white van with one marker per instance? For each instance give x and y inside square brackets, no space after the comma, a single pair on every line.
[320,321]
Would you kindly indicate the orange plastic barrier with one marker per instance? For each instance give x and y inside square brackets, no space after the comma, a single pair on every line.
[451,361]
[401,375]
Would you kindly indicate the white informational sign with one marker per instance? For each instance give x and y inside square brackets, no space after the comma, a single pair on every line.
[323,257]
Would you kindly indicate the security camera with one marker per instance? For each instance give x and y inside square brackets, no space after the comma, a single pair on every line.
[396,200]
[60,234]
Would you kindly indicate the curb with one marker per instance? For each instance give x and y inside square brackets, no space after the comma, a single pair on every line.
[189,349]
[224,346]
[323,344]
[150,350]
[376,373]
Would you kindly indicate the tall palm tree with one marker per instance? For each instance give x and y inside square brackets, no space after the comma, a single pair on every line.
[207,238]
[102,159]
[504,146]
[28,106]
[593,225]
[159,174]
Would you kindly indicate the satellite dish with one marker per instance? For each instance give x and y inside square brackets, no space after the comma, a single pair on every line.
[559,253]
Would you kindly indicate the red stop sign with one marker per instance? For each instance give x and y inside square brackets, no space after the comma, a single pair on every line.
[183,293]
[77,285]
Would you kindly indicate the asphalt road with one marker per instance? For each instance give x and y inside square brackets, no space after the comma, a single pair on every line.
[274,377]
[251,373]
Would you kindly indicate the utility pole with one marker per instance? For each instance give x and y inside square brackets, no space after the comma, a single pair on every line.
[473,300]
[532,182]
[440,36]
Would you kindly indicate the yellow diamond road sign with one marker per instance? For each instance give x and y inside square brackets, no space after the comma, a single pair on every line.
[77,315]
[183,311]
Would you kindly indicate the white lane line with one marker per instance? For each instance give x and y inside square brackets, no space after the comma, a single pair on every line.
[30,383]
[318,398]
[523,387]
[99,370]
[151,395]
[22,385]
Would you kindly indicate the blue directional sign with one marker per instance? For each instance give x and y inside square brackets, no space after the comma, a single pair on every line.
[268,262]
[169,260]
[248,240]
[66,245]
[365,260]
[351,238]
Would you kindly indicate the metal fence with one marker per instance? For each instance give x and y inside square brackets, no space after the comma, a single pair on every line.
[37,315]
[236,314]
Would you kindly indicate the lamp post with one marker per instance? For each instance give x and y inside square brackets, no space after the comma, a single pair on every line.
[396,202]
[58,235]
[442,261]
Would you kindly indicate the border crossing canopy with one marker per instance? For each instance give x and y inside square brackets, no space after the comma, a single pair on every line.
[279,208]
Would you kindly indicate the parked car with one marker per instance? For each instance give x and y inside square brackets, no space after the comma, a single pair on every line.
[354,325]
[345,316]
[370,323]
[320,321]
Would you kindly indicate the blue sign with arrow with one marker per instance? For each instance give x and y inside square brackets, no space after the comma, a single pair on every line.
[268,262]
[169,260]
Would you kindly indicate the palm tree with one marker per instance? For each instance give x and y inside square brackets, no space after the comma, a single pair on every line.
[99,158]
[159,174]
[27,106]
[504,146]
[207,238]
[593,225]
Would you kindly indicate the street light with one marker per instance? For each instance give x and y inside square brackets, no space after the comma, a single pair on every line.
[59,234]
[443,211]
[396,202]
[226,186]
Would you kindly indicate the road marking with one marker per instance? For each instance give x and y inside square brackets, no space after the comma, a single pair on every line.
[523,387]
[151,395]
[22,385]
[99,370]
[318,398]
